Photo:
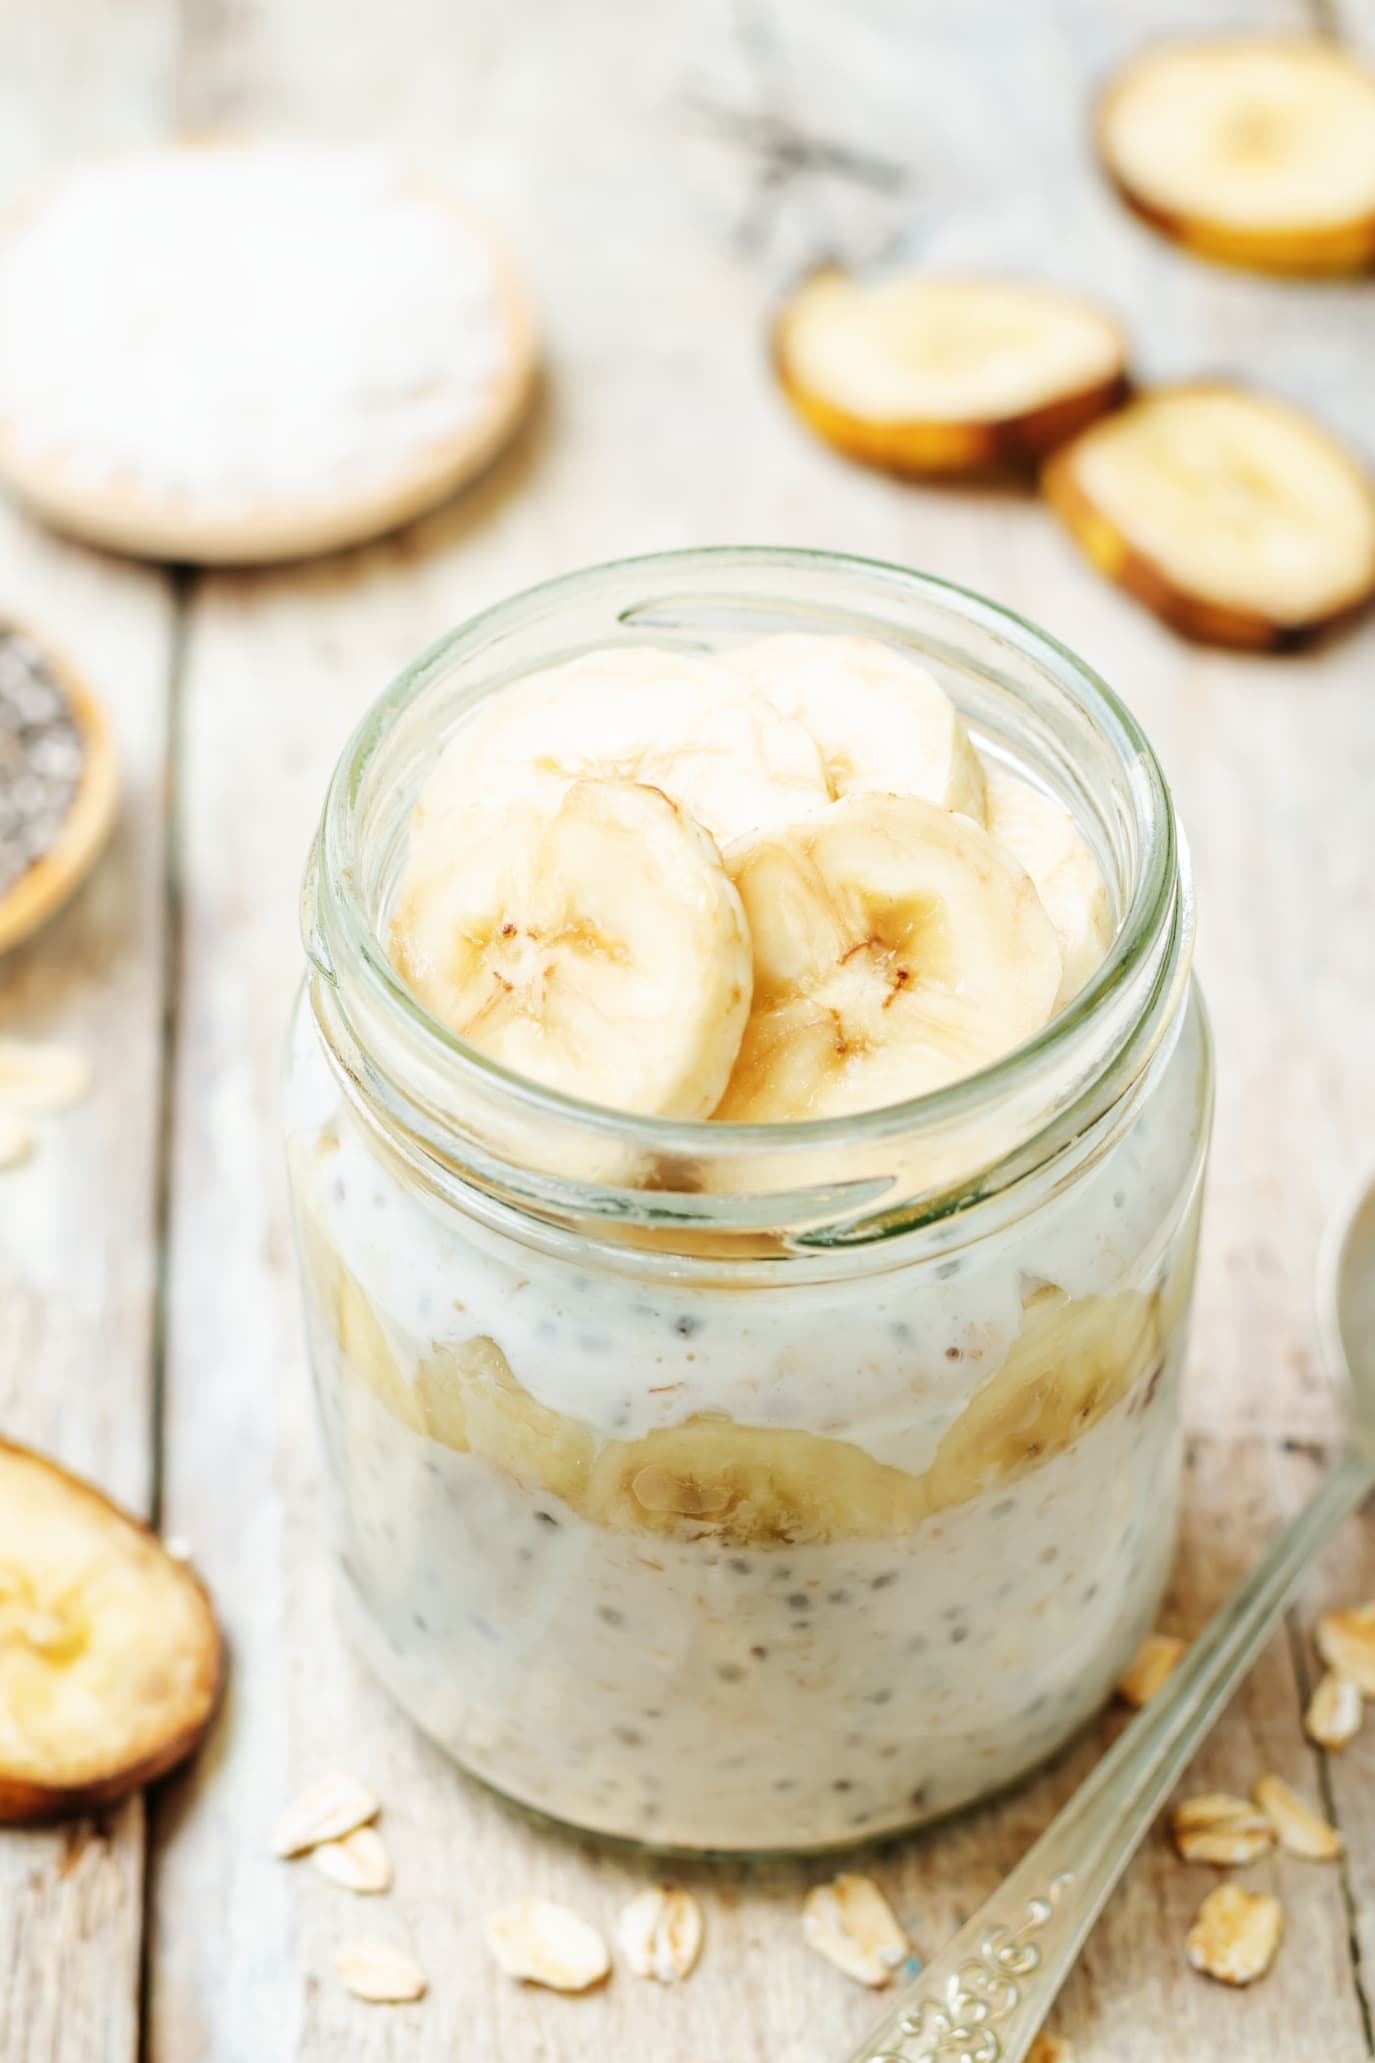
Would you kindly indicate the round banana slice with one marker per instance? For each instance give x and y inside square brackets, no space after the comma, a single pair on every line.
[595,945]
[245,350]
[1233,516]
[110,1658]
[1044,839]
[896,949]
[880,722]
[919,373]
[1255,150]
[670,720]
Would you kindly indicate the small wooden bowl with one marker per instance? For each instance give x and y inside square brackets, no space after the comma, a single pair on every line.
[56,874]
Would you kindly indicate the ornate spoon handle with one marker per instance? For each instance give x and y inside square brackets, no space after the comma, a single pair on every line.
[983,2000]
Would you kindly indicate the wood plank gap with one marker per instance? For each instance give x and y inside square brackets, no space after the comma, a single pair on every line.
[182,584]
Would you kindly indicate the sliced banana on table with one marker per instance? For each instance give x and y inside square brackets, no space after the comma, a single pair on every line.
[671,720]
[1043,838]
[879,721]
[591,941]
[1235,517]
[110,1657]
[923,373]
[1257,150]
[896,949]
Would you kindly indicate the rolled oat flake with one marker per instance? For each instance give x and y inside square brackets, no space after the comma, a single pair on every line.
[42,753]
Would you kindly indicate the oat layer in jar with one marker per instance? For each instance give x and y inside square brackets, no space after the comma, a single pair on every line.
[749,1482]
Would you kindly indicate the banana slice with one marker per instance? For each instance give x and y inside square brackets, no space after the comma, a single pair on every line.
[58,782]
[1255,150]
[880,723]
[896,948]
[670,720]
[596,946]
[920,373]
[1044,839]
[1231,515]
[1072,1362]
[110,1658]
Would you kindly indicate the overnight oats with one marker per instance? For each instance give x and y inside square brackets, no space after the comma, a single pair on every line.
[747,1114]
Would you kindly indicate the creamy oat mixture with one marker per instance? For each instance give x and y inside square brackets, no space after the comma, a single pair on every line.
[770,1553]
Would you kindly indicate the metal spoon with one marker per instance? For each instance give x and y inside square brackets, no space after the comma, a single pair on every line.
[984,1998]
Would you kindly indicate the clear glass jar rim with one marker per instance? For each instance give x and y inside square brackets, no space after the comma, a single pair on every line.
[338,926]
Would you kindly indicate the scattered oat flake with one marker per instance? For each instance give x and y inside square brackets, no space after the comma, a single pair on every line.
[177,1546]
[1334,1712]
[850,1922]
[1151,1667]
[1301,1830]
[325,1812]
[1346,1642]
[1236,1934]
[359,1862]
[380,1973]
[1219,1828]
[16,1137]
[1050,2048]
[661,1933]
[544,1943]
[39,1078]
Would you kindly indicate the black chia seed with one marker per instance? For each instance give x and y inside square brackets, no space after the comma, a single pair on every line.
[41,756]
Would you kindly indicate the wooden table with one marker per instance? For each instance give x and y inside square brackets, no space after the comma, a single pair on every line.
[662,170]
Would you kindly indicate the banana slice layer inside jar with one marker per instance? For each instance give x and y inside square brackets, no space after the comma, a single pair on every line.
[928,373]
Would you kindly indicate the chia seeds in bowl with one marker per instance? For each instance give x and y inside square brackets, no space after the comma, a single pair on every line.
[57,783]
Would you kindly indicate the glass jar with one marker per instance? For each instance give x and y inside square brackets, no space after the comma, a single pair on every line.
[727,1488]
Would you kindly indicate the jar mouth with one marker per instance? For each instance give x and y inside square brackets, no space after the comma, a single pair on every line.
[682,590]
